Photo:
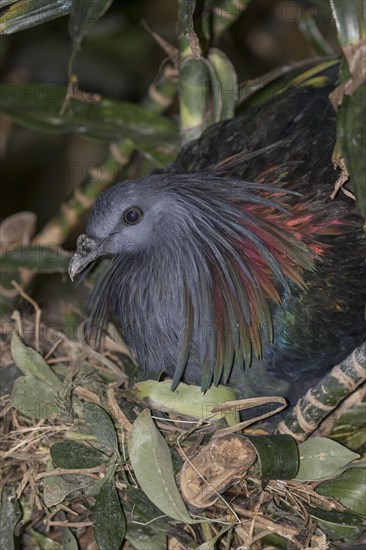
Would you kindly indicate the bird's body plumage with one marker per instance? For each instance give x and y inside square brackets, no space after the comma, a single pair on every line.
[241,269]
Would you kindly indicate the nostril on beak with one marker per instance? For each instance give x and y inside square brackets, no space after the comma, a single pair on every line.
[86,251]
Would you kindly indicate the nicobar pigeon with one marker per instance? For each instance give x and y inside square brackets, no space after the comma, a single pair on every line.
[233,265]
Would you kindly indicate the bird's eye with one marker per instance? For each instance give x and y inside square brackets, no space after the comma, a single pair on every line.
[133,215]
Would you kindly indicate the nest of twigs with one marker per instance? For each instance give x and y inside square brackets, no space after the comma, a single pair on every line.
[53,493]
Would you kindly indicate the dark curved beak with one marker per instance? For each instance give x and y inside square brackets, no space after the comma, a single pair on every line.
[87,250]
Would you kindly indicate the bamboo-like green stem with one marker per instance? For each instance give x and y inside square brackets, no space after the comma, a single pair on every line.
[321,400]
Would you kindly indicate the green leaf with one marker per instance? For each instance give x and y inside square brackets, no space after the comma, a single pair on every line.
[22,14]
[195,83]
[350,18]
[275,541]
[34,398]
[101,425]
[146,514]
[31,363]
[265,87]
[354,416]
[152,465]
[349,489]
[336,517]
[156,541]
[322,458]
[186,399]
[319,37]
[42,542]
[110,523]
[228,82]
[38,106]
[69,541]
[56,488]
[83,15]
[39,258]
[278,455]
[72,455]
[351,135]
[346,525]
[144,520]
[211,544]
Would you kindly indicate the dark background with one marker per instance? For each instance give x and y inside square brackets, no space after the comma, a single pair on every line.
[120,59]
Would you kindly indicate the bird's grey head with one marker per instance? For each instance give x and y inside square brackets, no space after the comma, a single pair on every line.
[214,248]
[130,218]
[191,218]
